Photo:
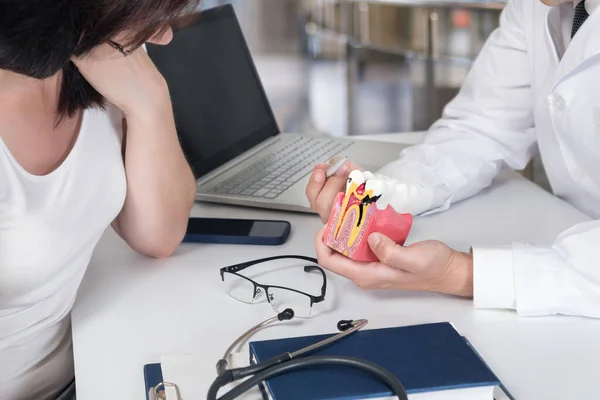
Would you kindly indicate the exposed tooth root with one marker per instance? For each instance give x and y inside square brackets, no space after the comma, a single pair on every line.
[340,236]
[371,203]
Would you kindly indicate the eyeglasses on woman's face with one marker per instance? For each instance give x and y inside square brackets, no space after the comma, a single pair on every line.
[162,37]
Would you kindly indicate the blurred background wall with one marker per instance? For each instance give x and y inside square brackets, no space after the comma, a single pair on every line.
[361,67]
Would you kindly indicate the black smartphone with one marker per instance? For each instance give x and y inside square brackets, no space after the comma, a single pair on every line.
[237,231]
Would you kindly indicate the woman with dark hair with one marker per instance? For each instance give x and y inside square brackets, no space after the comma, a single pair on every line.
[87,140]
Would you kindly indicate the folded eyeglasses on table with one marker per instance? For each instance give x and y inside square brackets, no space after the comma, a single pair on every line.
[249,291]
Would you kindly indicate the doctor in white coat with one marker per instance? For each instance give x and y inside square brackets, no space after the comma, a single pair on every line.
[536,80]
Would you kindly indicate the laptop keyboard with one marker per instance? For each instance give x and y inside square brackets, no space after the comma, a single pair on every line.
[272,174]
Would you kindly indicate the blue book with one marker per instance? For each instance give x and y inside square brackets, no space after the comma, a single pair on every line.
[432,361]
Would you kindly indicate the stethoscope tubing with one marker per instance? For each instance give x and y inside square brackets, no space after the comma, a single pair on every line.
[289,362]
[301,363]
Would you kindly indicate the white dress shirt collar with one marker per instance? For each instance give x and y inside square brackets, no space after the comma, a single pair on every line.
[561,33]
[590,5]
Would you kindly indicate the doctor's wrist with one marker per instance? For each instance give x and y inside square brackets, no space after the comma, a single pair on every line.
[461,275]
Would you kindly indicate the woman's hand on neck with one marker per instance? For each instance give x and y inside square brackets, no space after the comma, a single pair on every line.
[131,82]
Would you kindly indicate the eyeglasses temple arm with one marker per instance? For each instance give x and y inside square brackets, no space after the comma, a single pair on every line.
[244,265]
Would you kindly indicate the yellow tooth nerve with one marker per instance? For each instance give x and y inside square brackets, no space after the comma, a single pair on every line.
[356,202]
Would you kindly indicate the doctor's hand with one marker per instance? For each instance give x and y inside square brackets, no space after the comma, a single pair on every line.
[321,191]
[424,266]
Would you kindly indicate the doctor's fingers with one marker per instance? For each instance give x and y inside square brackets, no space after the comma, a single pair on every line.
[389,252]
[365,275]
[321,193]
[319,177]
[326,197]
[315,184]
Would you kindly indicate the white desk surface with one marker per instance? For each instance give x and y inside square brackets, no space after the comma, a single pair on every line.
[132,310]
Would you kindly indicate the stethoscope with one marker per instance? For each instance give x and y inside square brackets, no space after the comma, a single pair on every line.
[287,362]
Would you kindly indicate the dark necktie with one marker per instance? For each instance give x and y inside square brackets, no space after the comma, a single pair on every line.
[580,17]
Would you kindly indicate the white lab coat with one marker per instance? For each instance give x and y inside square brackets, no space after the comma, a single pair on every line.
[520,92]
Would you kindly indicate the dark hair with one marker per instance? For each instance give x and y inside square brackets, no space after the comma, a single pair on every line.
[38,37]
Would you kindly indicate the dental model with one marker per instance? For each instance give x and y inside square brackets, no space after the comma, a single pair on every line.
[371,203]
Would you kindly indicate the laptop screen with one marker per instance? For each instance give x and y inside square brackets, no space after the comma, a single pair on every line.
[219,103]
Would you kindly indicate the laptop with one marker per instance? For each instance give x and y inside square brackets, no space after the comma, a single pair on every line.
[226,125]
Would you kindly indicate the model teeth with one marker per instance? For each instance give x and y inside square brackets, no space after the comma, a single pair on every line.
[401,197]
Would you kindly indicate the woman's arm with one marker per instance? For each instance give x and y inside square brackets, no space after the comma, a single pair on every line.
[160,185]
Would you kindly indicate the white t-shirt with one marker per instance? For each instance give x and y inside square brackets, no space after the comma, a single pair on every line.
[49,227]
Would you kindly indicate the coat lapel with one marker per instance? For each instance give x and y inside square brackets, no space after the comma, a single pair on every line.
[584,47]
[553,34]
